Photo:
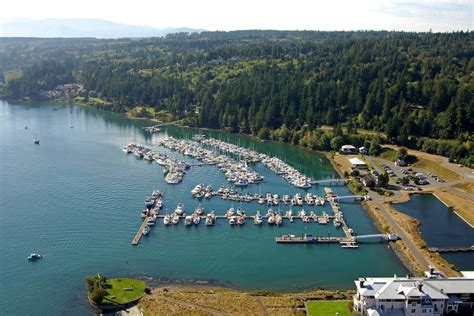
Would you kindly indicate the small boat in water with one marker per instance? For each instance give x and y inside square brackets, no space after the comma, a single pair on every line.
[146,230]
[34,256]
[258,220]
[175,219]
[232,220]
[151,220]
[240,220]
[188,220]
[36,140]
[196,219]
[210,218]
[199,210]
[166,219]
[180,209]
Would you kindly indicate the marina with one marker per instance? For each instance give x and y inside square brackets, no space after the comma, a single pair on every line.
[154,203]
[84,219]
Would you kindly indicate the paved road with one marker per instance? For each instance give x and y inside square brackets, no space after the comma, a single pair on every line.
[401,233]
[466,173]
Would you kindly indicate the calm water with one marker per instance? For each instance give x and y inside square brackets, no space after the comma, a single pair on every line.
[441,227]
[76,198]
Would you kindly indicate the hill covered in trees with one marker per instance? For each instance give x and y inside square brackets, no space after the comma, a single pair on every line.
[413,87]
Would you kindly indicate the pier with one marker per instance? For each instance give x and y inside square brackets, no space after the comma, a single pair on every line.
[139,234]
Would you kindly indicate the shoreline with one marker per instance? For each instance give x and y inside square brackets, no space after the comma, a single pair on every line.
[209,299]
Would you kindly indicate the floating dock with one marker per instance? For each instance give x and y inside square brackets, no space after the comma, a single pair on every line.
[451,249]
[139,234]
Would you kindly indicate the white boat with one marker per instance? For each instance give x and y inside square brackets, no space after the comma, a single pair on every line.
[179,209]
[241,182]
[261,200]
[258,220]
[146,230]
[278,220]
[240,212]
[175,219]
[232,220]
[230,212]
[151,220]
[144,213]
[271,220]
[166,219]
[210,218]
[188,220]
[196,220]
[199,210]
[34,256]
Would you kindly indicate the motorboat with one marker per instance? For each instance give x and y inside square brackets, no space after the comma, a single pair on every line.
[230,212]
[240,220]
[240,212]
[146,230]
[278,220]
[175,219]
[232,220]
[144,213]
[151,220]
[241,182]
[179,209]
[34,256]
[166,219]
[196,220]
[199,210]
[210,218]
[261,200]
[258,220]
[188,220]
[271,220]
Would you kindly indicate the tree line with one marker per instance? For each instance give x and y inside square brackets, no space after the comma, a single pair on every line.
[415,88]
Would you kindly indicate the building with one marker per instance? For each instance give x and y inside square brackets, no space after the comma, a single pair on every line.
[348,149]
[357,163]
[435,294]
[369,181]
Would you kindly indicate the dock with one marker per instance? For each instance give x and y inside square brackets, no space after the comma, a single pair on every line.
[451,249]
[308,239]
[139,234]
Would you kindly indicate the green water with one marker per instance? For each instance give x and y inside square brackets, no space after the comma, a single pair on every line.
[76,198]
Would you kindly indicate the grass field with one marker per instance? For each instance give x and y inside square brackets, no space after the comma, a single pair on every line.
[121,291]
[467,187]
[436,168]
[328,308]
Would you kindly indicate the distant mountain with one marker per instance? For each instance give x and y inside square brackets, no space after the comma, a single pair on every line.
[82,28]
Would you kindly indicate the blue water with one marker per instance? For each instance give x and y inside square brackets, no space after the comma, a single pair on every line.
[441,227]
[76,198]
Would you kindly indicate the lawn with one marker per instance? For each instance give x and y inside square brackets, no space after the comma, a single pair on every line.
[121,291]
[328,308]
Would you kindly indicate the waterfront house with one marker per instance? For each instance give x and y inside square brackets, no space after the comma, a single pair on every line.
[432,295]
[348,149]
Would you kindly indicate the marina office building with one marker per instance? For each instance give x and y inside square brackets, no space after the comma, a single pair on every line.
[433,295]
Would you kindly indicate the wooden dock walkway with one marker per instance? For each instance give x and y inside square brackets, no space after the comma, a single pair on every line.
[139,234]
[309,240]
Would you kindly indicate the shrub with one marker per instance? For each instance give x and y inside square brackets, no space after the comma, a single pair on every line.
[97,294]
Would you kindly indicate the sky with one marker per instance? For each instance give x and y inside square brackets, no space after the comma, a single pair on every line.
[406,15]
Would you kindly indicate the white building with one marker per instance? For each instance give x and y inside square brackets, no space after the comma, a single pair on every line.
[434,295]
[357,163]
[348,149]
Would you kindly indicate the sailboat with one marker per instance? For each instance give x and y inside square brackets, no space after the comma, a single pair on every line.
[36,140]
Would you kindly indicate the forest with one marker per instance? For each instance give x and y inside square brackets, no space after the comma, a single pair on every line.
[415,89]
